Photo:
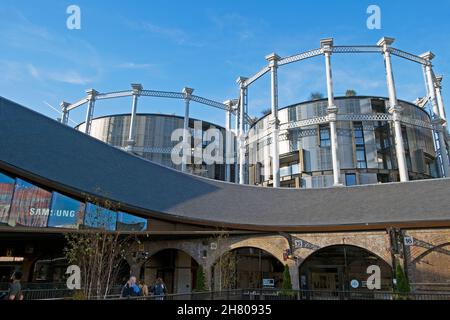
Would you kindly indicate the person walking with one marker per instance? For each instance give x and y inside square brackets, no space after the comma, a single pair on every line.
[144,289]
[15,288]
[159,289]
[131,289]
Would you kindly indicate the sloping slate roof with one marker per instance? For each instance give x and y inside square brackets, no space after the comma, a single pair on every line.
[43,147]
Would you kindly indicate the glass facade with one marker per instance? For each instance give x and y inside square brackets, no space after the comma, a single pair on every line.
[65,212]
[6,194]
[366,147]
[128,222]
[99,218]
[24,204]
[30,205]
[154,138]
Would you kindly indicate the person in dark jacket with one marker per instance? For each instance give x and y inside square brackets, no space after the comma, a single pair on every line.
[131,289]
[159,289]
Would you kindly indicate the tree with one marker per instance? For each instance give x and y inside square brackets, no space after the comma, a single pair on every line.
[316,96]
[286,285]
[402,287]
[225,267]
[98,251]
[200,283]
[350,93]
[266,112]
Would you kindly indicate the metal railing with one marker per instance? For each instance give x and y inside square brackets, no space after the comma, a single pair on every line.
[247,294]
[277,294]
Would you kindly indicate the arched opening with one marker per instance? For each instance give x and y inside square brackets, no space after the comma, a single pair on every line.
[123,272]
[342,268]
[177,269]
[248,268]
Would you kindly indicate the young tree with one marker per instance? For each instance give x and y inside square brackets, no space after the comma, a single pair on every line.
[402,287]
[200,283]
[225,266]
[350,93]
[266,112]
[316,96]
[98,251]
[287,284]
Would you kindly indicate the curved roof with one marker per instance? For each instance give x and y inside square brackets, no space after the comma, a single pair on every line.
[70,161]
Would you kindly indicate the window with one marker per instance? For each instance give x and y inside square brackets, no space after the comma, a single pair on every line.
[65,212]
[6,193]
[292,168]
[128,222]
[358,134]
[30,205]
[99,217]
[361,157]
[324,132]
[350,179]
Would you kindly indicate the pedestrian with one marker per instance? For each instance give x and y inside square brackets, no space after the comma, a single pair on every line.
[131,289]
[144,289]
[159,289]
[15,288]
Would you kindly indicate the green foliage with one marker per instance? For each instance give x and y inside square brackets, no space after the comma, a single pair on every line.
[402,286]
[98,252]
[266,112]
[350,93]
[316,96]
[200,283]
[286,285]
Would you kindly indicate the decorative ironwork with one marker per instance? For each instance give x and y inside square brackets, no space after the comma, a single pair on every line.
[416,122]
[209,102]
[357,49]
[112,95]
[304,123]
[255,77]
[77,104]
[159,150]
[300,56]
[364,117]
[162,94]
[408,56]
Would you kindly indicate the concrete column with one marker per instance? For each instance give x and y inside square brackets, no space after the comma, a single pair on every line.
[227,139]
[439,128]
[394,109]
[440,100]
[64,112]
[137,88]
[187,98]
[327,47]
[240,138]
[438,115]
[91,94]
[273,64]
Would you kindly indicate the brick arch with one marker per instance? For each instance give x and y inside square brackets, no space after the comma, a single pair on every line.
[273,245]
[342,244]
[154,248]
[378,244]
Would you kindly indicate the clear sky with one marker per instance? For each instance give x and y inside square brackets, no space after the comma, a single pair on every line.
[206,45]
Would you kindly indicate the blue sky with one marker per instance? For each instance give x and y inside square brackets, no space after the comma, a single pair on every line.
[206,45]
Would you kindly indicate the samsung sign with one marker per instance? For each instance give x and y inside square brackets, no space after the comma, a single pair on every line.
[52,213]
